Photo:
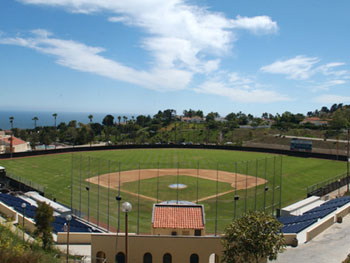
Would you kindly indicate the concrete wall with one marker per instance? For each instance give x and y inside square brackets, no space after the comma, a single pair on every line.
[289,238]
[28,223]
[179,232]
[180,247]
[343,212]
[8,211]
[74,238]
[319,228]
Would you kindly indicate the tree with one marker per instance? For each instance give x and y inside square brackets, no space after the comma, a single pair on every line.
[35,119]
[108,120]
[252,238]
[43,219]
[90,117]
[55,117]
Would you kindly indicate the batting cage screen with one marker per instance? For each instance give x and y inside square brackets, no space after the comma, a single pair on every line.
[227,190]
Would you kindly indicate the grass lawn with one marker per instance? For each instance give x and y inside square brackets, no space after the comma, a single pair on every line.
[54,173]
[148,187]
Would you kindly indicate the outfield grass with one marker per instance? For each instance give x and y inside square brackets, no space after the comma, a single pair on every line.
[54,172]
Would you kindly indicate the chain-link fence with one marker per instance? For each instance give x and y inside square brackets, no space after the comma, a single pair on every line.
[227,190]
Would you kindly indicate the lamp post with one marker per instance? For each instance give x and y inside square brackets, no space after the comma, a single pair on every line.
[88,191]
[66,228]
[126,207]
[23,205]
[236,198]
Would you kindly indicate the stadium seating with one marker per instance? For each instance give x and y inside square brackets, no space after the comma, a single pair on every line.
[295,224]
[58,224]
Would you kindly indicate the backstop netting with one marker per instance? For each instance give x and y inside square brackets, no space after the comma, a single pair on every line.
[227,190]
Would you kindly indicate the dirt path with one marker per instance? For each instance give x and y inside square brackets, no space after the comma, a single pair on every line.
[237,181]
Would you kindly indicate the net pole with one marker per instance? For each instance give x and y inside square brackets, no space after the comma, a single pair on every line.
[119,199]
[246,188]
[216,199]
[177,184]
[98,192]
[109,182]
[256,182]
[265,187]
[273,185]
[197,186]
[235,197]
[281,158]
[80,186]
[158,183]
[71,185]
[138,201]
[88,191]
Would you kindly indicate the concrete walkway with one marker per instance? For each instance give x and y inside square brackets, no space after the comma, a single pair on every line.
[331,246]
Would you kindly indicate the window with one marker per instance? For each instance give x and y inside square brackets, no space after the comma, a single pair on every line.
[100,257]
[167,258]
[173,233]
[194,258]
[147,258]
[197,232]
[120,258]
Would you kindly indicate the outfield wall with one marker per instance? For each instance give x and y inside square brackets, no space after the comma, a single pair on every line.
[163,146]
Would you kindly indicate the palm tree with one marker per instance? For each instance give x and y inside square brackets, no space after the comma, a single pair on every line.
[11,140]
[90,117]
[55,117]
[11,121]
[35,119]
[119,118]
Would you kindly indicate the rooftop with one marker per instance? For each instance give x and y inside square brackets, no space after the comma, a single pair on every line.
[179,216]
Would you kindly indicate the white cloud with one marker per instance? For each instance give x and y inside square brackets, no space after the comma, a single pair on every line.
[328,84]
[117,19]
[328,69]
[84,58]
[240,89]
[179,33]
[258,24]
[331,99]
[299,67]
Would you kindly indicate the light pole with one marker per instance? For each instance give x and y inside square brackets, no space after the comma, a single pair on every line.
[66,228]
[88,191]
[23,205]
[236,198]
[126,207]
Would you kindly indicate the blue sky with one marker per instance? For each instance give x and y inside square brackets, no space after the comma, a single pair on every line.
[139,56]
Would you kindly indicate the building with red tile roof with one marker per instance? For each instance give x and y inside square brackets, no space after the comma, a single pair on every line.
[182,218]
[18,145]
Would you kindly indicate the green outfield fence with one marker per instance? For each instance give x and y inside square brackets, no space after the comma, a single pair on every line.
[98,199]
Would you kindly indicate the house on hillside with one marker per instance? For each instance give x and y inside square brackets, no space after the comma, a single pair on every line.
[195,119]
[18,145]
[315,121]
[178,218]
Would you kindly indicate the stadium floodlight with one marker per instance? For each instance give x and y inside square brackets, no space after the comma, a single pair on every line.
[126,208]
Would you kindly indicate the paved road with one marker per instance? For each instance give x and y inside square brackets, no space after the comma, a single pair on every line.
[331,246]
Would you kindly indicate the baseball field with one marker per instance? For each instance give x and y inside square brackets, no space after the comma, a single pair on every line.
[143,176]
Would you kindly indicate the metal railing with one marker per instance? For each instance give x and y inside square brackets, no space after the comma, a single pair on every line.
[327,186]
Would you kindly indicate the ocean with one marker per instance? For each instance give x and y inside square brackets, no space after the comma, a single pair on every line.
[23,119]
